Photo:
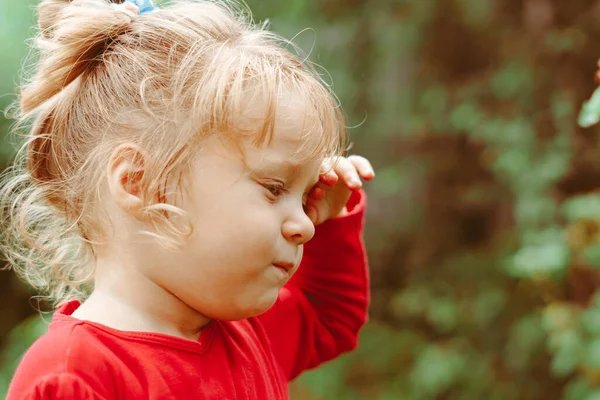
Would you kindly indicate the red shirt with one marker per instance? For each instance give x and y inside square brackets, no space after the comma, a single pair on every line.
[317,317]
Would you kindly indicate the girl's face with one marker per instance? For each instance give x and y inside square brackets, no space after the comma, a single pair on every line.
[249,224]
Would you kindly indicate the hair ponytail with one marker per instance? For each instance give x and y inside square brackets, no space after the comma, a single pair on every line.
[48,14]
[74,36]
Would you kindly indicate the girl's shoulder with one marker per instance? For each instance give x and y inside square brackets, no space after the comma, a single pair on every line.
[67,357]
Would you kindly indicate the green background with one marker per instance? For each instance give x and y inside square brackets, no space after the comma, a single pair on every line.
[482,232]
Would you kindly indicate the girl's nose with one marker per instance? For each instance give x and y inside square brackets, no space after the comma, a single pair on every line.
[298,228]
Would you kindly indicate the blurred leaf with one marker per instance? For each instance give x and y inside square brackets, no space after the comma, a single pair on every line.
[436,369]
[526,337]
[443,314]
[590,321]
[554,166]
[592,354]
[565,40]
[592,395]
[532,209]
[577,389]
[399,343]
[562,107]
[581,207]
[566,358]
[19,340]
[465,117]
[488,305]
[544,259]
[511,80]
[477,13]
[328,382]
[390,180]
[434,100]
[590,111]
[512,162]
[595,304]
[412,301]
[591,255]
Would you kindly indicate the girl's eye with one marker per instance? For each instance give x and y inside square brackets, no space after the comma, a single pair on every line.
[275,190]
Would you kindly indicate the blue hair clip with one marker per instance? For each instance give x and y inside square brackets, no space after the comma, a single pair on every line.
[137,7]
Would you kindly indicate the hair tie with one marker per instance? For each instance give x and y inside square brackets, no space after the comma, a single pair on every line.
[136,7]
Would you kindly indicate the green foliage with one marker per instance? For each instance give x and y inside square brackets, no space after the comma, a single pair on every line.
[578,389]
[21,337]
[512,80]
[544,253]
[524,341]
[436,370]
[590,112]
[581,207]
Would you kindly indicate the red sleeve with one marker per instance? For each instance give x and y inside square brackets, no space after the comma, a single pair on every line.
[320,311]
[56,387]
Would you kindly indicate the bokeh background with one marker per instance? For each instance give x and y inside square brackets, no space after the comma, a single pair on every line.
[482,232]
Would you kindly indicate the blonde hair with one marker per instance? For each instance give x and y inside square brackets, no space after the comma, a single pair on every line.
[162,80]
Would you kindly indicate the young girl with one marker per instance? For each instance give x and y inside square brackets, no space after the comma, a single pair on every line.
[177,162]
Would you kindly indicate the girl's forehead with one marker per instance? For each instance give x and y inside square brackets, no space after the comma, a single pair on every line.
[287,108]
[281,152]
[294,121]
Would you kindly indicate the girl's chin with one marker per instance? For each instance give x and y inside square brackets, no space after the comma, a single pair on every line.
[265,303]
[248,311]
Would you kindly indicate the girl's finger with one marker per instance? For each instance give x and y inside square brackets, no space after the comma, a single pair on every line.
[328,175]
[348,174]
[329,178]
[317,193]
[363,166]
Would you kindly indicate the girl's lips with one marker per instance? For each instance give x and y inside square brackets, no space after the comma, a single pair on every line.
[287,266]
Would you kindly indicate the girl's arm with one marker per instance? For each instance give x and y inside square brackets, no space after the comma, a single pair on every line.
[319,313]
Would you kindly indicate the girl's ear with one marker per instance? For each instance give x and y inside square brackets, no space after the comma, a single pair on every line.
[126,169]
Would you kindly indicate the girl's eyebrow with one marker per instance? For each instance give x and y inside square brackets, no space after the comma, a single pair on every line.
[288,167]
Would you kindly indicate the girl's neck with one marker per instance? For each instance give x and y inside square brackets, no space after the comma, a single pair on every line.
[125,299]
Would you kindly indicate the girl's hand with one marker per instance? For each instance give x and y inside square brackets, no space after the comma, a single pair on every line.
[328,198]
